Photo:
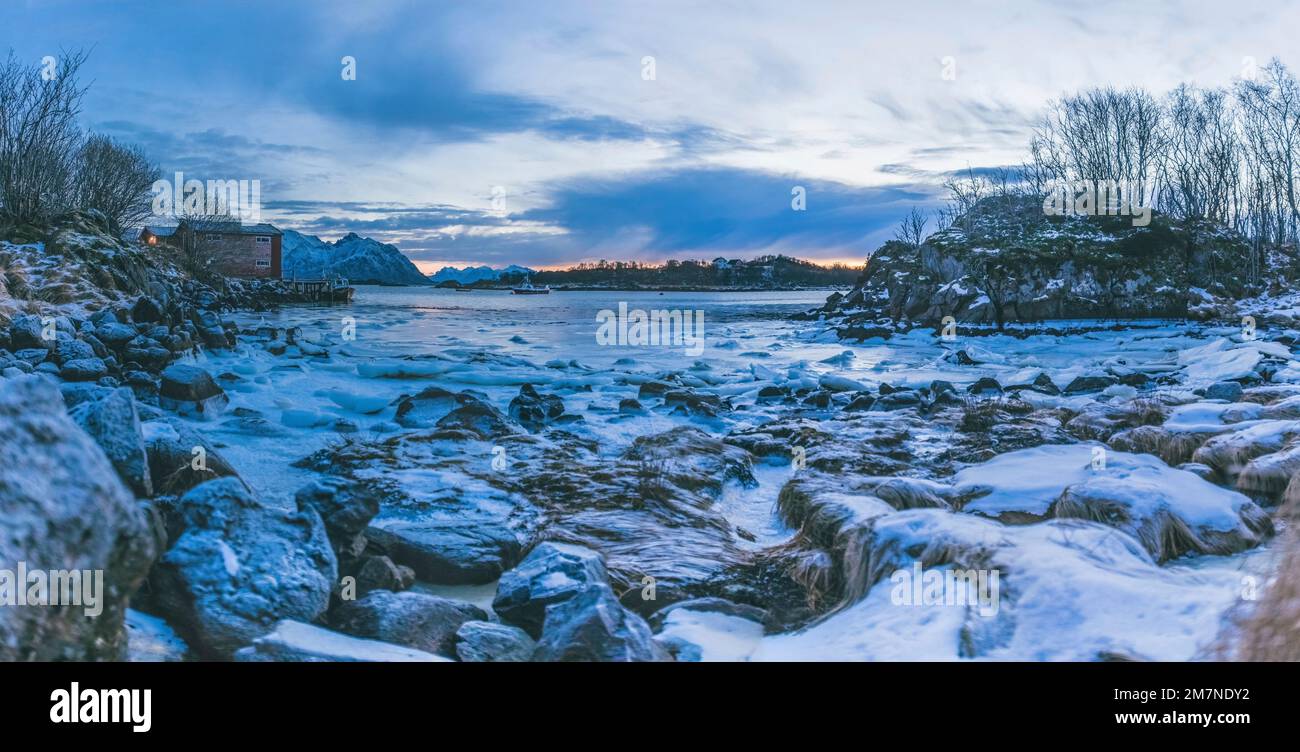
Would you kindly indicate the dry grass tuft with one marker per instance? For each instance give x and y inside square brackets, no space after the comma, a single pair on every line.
[1269,630]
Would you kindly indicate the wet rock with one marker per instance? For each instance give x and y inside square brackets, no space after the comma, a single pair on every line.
[550,574]
[346,509]
[190,389]
[381,573]
[416,620]
[533,410]
[239,567]
[692,403]
[820,399]
[143,386]
[73,349]
[32,355]
[897,401]
[147,354]
[630,407]
[694,460]
[860,403]
[147,311]
[298,642]
[985,385]
[939,386]
[1085,384]
[62,506]
[478,417]
[655,389]
[450,549]
[594,626]
[181,458]
[25,332]
[1224,390]
[772,393]
[488,642]
[114,424]
[83,369]
[425,409]
[115,335]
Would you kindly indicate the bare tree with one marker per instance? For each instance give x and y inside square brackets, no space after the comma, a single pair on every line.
[1270,124]
[911,229]
[115,179]
[1102,135]
[39,137]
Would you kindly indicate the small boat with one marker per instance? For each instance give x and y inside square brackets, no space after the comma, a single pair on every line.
[526,288]
[463,289]
[341,291]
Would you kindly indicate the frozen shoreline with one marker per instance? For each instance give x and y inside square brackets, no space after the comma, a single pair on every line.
[493,349]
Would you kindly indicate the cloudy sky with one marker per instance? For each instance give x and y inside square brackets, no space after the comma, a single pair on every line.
[532,132]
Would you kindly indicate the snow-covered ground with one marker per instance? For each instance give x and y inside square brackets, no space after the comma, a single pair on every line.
[1080,589]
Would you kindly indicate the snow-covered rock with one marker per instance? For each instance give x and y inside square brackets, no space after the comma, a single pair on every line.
[63,507]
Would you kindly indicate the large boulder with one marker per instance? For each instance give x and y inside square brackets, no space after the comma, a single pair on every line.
[190,389]
[62,507]
[25,332]
[594,626]
[550,574]
[423,622]
[180,457]
[239,566]
[114,424]
[489,642]
[446,550]
[147,311]
[346,509]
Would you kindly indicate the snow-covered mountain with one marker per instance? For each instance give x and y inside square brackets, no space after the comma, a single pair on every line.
[471,274]
[362,260]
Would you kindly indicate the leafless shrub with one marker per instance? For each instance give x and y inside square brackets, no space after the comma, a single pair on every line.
[39,138]
[911,229]
[115,179]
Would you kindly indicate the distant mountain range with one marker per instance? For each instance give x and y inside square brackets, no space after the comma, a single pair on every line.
[367,261]
[364,261]
[472,274]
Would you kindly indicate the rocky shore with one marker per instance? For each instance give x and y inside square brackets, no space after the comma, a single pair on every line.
[1102,474]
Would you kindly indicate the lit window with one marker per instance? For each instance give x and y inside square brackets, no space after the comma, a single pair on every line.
[264,238]
[263,263]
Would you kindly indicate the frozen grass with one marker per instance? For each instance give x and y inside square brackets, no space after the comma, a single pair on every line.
[1270,631]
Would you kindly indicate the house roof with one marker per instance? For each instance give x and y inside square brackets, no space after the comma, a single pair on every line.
[162,232]
[230,227]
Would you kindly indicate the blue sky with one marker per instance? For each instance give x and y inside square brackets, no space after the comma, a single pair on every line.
[514,132]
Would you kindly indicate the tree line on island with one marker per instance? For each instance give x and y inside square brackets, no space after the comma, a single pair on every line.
[763,272]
